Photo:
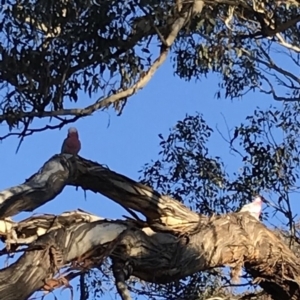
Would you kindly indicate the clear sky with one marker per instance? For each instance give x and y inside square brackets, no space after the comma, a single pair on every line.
[125,143]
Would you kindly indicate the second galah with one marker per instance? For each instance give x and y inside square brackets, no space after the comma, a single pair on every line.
[254,208]
[71,144]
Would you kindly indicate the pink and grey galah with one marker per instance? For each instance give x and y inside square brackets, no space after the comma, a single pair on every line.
[71,144]
[254,208]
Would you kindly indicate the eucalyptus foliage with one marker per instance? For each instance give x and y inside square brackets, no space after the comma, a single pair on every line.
[52,50]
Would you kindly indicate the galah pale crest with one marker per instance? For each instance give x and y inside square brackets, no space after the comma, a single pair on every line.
[254,208]
[71,144]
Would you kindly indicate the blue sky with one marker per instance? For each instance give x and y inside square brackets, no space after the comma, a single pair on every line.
[130,140]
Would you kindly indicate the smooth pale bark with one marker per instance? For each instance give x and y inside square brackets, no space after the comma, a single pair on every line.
[236,240]
[162,212]
[51,252]
[40,188]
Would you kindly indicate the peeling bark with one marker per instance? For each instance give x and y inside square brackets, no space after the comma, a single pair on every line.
[15,284]
[148,250]
[40,188]
[28,230]
[162,212]
[43,259]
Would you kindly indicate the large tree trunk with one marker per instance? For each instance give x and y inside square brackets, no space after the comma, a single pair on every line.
[175,242]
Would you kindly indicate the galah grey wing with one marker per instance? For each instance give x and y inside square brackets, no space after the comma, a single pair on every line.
[64,146]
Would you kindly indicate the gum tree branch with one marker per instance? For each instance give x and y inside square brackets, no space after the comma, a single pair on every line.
[152,253]
[233,240]
[100,103]
[103,103]
[42,260]
[61,170]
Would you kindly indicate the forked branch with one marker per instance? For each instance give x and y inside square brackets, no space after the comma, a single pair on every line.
[62,170]
[151,253]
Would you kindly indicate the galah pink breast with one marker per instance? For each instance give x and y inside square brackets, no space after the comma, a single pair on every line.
[71,144]
[254,208]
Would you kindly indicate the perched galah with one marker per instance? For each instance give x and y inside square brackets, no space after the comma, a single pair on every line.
[71,144]
[254,208]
